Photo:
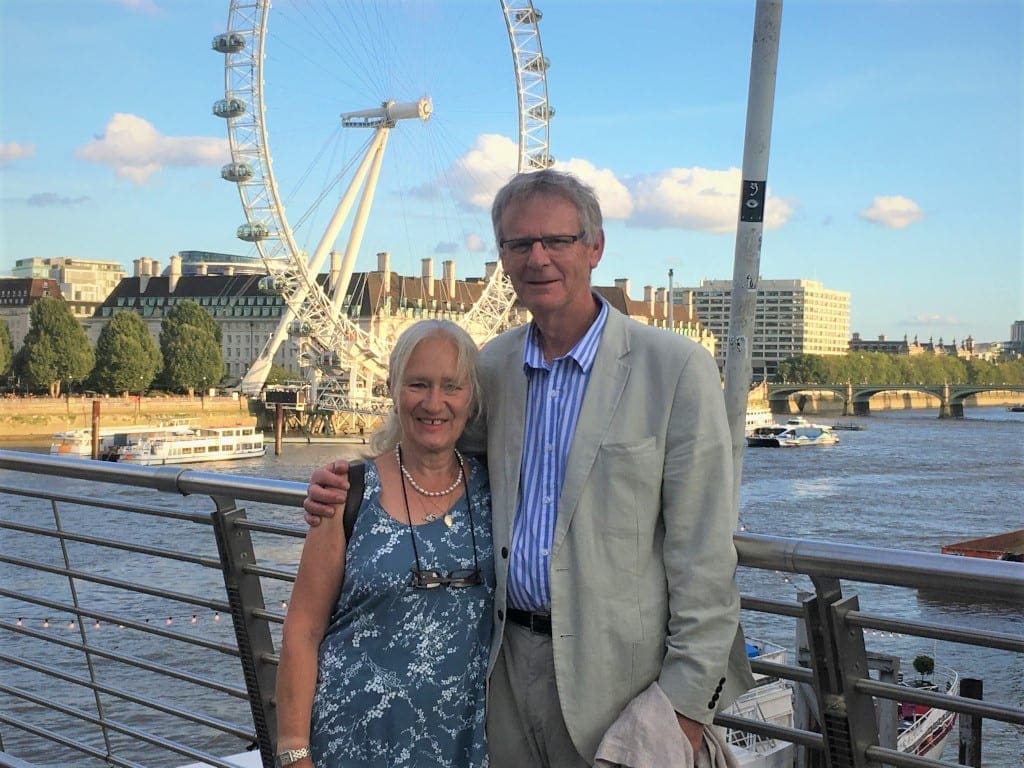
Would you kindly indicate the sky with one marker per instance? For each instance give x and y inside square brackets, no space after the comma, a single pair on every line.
[896,157]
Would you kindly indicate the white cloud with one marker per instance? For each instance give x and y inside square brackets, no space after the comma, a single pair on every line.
[893,212]
[53,200]
[699,199]
[136,150]
[474,243]
[932,319]
[145,6]
[476,177]
[616,200]
[12,151]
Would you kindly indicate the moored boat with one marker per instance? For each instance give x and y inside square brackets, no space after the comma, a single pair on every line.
[921,730]
[78,442]
[924,730]
[193,446]
[770,701]
[1003,546]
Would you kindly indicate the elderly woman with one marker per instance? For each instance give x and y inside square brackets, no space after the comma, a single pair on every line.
[386,641]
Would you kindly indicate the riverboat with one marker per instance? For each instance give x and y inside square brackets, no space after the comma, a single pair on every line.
[848,426]
[1018,408]
[921,730]
[795,433]
[758,416]
[78,442]
[193,446]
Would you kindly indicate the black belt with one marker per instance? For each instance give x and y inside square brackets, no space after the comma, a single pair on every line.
[535,622]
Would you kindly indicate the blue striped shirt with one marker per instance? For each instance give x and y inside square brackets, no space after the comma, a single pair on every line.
[554,398]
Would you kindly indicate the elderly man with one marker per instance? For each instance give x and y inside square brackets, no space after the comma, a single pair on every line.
[611,476]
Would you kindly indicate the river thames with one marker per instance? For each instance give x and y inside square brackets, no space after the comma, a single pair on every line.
[907,481]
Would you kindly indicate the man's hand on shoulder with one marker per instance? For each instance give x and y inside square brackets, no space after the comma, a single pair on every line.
[327,491]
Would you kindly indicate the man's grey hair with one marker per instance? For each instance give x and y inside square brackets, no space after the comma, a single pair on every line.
[549,183]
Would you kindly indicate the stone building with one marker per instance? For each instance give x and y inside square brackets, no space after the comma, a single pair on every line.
[17,295]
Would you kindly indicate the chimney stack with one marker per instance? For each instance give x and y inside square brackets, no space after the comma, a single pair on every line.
[649,299]
[174,274]
[623,284]
[448,268]
[428,278]
[384,267]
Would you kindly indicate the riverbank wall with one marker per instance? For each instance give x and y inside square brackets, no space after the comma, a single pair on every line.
[42,417]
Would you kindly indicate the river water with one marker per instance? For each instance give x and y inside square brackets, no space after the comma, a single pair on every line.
[907,481]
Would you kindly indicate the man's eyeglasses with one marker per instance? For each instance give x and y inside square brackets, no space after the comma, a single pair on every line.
[465,577]
[520,246]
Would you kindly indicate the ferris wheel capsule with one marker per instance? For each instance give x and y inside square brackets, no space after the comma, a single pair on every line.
[252,233]
[236,172]
[229,42]
[271,284]
[537,64]
[230,107]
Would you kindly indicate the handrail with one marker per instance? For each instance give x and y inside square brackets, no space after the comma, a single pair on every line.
[266,564]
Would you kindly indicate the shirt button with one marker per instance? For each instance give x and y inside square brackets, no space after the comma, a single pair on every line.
[545,552]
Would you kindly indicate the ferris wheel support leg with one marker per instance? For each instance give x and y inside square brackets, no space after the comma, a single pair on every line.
[355,238]
[316,262]
[257,374]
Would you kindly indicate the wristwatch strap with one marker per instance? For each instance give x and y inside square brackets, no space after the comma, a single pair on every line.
[290,756]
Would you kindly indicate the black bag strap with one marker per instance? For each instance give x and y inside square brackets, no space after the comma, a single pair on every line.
[356,483]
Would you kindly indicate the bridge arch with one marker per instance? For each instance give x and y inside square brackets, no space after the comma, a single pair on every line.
[856,398]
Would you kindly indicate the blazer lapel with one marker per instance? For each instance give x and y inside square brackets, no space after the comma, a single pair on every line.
[511,416]
[607,381]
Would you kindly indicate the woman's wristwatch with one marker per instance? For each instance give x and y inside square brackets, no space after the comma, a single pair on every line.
[291,756]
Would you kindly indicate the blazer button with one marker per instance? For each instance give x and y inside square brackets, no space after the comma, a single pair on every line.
[504,552]
[721,682]
[501,615]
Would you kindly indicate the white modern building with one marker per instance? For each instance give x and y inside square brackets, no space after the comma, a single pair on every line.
[84,283]
[792,317]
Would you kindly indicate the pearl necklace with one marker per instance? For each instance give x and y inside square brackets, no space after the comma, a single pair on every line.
[419,488]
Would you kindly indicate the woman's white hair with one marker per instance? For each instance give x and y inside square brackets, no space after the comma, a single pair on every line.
[389,434]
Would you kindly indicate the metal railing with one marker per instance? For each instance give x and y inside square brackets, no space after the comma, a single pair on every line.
[140,614]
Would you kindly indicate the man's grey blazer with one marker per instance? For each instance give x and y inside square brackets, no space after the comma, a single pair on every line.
[642,562]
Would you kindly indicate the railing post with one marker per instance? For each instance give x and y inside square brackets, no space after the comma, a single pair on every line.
[253,636]
[970,725]
[838,659]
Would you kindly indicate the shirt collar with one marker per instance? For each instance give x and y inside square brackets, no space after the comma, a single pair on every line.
[584,352]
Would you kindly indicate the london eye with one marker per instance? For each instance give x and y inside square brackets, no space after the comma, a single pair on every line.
[335,188]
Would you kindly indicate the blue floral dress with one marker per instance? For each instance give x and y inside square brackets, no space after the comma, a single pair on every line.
[401,671]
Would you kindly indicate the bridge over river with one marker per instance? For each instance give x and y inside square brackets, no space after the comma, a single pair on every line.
[857,397]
